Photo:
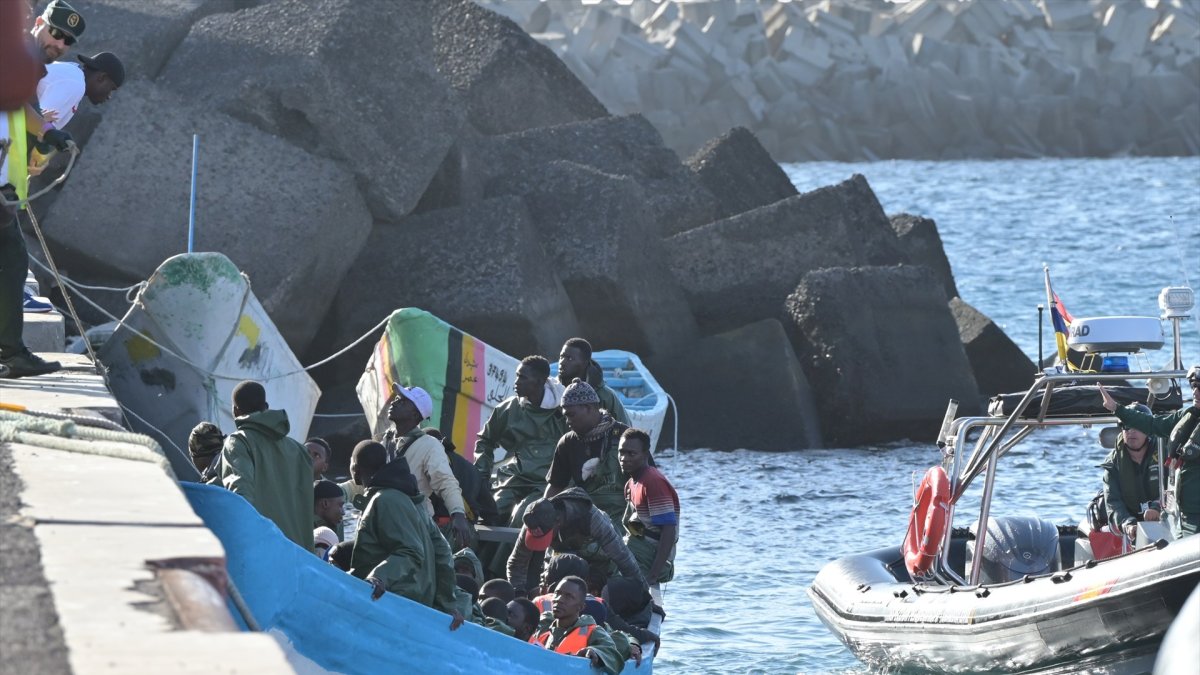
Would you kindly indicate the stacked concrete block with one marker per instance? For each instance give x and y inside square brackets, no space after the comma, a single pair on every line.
[885,80]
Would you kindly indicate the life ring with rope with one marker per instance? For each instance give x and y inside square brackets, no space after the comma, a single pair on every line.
[927,524]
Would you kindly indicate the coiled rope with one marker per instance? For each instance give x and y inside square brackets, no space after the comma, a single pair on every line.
[68,436]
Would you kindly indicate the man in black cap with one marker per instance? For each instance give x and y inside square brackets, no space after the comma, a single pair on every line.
[65,83]
[57,29]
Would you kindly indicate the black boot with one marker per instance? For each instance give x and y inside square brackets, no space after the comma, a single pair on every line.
[26,364]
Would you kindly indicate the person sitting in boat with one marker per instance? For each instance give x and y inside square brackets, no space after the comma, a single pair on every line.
[527,425]
[324,542]
[398,548]
[630,609]
[652,516]
[319,450]
[426,458]
[560,567]
[1131,479]
[567,630]
[494,614]
[498,588]
[569,523]
[466,562]
[476,493]
[523,618]
[586,456]
[575,362]
[204,445]
[270,470]
[1182,431]
[328,507]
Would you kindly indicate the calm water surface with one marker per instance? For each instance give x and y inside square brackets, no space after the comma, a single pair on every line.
[758,526]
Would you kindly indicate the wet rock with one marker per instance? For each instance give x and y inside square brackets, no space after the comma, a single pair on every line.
[740,173]
[479,267]
[920,241]
[998,363]
[620,146]
[881,351]
[508,81]
[126,208]
[750,375]
[349,79]
[597,232]
[741,269]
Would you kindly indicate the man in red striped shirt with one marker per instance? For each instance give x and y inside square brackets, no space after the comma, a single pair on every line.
[652,509]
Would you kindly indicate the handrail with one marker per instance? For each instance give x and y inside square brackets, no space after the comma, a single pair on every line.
[998,446]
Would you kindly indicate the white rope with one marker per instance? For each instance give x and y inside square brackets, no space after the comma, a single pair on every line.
[338,415]
[77,285]
[85,420]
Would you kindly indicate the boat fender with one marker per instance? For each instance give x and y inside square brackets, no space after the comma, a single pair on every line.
[927,524]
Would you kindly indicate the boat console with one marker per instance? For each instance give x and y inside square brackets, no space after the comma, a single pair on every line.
[1016,546]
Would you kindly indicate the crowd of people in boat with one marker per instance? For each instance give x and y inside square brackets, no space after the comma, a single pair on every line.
[598,521]
[1131,471]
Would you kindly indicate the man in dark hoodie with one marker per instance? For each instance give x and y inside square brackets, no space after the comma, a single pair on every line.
[569,523]
[398,548]
[273,472]
[575,361]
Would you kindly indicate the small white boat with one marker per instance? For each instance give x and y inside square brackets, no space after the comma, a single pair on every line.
[1020,593]
[194,331]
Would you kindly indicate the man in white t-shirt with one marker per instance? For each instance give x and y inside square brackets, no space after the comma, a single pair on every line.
[65,83]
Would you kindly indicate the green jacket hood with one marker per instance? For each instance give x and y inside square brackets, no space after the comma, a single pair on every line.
[271,423]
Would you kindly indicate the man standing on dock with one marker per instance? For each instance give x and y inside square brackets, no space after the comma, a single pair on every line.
[273,472]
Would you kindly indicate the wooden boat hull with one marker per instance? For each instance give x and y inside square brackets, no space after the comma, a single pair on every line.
[198,306]
[329,618]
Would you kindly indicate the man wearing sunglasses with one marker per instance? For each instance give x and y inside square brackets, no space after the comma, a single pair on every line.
[56,30]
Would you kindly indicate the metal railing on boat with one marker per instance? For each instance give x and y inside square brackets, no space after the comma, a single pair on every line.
[991,445]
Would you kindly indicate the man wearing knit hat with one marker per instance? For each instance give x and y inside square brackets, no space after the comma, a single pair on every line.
[586,456]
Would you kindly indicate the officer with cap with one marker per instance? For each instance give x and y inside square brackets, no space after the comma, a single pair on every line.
[57,29]
[1182,431]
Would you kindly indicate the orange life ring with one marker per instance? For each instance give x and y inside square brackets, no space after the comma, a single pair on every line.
[927,524]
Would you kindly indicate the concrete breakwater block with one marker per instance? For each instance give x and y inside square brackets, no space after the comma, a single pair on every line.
[921,243]
[765,401]
[126,210]
[999,365]
[620,146]
[313,73]
[881,347]
[508,80]
[740,173]
[696,69]
[599,238]
[479,267]
[45,332]
[741,269]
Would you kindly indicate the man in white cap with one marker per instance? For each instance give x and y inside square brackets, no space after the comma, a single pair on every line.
[425,456]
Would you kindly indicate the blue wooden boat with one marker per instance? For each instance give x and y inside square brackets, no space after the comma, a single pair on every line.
[329,618]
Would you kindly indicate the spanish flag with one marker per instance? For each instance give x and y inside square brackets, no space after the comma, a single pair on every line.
[1061,319]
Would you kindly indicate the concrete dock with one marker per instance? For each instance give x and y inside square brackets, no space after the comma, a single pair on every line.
[105,568]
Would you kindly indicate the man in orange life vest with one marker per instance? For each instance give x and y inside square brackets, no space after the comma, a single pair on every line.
[571,632]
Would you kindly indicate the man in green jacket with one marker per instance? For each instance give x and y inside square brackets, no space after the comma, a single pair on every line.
[528,433]
[273,472]
[398,548]
[1182,431]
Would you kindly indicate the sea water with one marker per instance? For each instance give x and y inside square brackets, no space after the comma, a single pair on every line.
[758,526]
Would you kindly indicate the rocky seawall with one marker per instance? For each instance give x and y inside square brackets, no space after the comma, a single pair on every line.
[871,79]
[468,172]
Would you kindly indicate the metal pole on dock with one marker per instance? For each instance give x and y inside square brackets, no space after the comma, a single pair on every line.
[192,208]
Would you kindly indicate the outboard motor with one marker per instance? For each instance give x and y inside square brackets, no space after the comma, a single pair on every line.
[1016,546]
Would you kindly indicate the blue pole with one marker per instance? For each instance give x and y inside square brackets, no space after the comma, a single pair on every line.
[192,209]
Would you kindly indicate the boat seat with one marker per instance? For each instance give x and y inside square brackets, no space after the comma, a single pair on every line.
[1016,546]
